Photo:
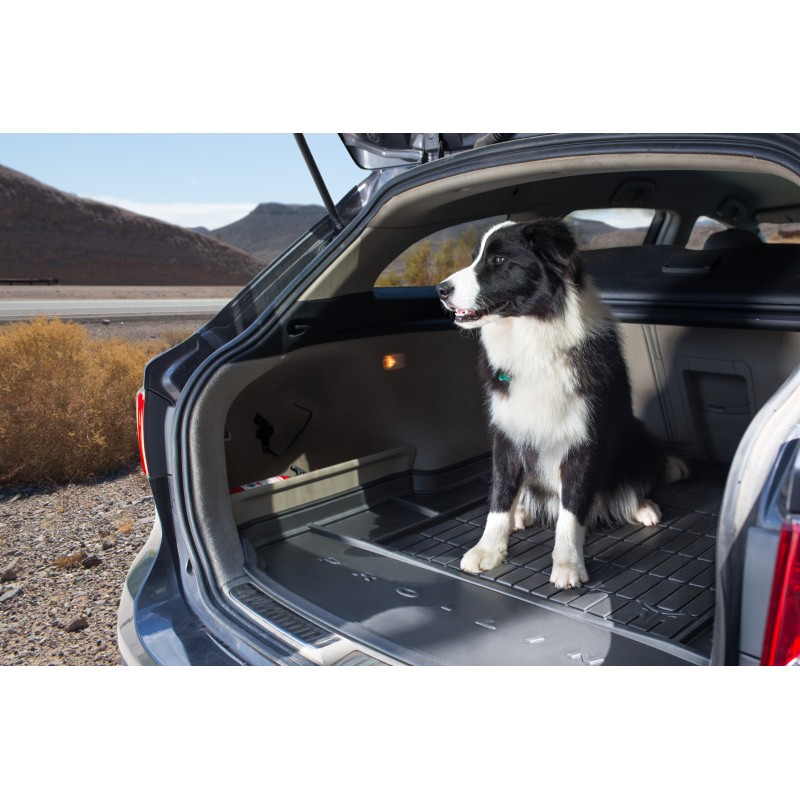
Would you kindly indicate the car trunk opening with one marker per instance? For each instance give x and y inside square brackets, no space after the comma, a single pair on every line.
[339,471]
[353,491]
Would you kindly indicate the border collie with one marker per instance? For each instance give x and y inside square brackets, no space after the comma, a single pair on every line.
[566,446]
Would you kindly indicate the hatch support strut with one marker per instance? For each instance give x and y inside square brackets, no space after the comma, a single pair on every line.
[320,184]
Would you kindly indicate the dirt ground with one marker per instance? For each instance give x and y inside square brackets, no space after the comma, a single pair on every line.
[171,329]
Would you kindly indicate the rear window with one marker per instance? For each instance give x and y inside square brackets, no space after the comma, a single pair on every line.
[599,228]
[780,233]
[438,256]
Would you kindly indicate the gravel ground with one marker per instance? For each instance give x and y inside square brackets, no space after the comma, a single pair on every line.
[173,329]
[65,550]
[64,554]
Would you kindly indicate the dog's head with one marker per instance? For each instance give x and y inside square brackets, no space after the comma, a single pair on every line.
[521,269]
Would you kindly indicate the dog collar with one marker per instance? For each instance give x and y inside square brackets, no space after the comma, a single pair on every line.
[503,376]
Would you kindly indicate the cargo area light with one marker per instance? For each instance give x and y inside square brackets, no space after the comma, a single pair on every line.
[394,361]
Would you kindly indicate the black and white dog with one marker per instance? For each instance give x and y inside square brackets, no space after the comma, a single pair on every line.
[566,445]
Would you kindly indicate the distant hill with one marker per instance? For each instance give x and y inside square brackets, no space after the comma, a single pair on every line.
[46,233]
[591,234]
[269,228]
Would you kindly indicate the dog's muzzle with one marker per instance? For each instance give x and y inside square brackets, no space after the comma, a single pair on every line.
[445,290]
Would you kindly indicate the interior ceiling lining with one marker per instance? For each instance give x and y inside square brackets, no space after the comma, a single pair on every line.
[424,209]
[449,197]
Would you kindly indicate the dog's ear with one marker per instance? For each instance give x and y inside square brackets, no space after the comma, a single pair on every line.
[552,240]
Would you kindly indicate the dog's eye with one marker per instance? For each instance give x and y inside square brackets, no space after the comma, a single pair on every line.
[496,261]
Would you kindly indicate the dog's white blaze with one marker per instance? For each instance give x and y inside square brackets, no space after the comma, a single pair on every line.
[465,288]
[465,284]
[486,236]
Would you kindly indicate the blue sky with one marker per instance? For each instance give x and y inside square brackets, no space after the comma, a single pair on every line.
[95,66]
[188,179]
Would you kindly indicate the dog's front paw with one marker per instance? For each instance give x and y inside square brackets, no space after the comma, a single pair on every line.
[480,559]
[568,576]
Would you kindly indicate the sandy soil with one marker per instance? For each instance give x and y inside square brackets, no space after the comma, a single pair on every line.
[64,555]
[173,329]
[57,608]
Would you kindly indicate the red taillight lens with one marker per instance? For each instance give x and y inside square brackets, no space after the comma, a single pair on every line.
[782,636]
[140,428]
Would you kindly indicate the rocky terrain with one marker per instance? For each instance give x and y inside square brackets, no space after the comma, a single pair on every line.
[49,234]
[65,550]
[269,228]
[64,554]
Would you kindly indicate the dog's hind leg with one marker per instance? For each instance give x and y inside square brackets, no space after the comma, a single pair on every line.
[648,513]
[675,470]
[524,515]
[491,549]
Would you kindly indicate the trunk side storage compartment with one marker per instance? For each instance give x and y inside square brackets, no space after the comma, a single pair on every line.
[381,565]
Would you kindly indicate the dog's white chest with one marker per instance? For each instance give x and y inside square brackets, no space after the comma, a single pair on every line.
[541,407]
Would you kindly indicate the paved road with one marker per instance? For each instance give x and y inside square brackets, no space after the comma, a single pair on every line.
[12,310]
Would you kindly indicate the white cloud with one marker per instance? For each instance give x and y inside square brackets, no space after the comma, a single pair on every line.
[189,215]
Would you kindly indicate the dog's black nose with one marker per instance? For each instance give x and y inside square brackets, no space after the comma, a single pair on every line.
[445,289]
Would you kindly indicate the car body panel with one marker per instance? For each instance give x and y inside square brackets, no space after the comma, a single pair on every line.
[160,613]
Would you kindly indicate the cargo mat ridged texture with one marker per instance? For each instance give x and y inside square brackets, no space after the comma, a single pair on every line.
[658,580]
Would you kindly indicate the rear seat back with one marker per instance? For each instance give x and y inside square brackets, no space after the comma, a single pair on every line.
[751,286]
[709,335]
[731,237]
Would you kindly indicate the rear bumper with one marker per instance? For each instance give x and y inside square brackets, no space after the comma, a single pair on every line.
[131,648]
[154,624]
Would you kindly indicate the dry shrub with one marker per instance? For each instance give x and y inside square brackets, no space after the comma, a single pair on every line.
[68,562]
[173,336]
[66,401]
[126,525]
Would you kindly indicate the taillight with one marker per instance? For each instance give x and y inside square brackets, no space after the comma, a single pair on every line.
[782,635]
[140,428]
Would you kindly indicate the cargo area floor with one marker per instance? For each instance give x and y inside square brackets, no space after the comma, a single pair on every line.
[647,584]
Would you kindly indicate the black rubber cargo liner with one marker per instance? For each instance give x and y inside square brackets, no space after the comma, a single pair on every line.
[657,580]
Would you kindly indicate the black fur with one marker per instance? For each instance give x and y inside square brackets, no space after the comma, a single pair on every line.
[619,441]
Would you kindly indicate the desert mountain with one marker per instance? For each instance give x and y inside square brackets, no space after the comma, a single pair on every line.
[269,228]
[46,233]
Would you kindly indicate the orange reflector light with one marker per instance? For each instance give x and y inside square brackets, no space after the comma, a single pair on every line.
[394,361]
[140,427]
